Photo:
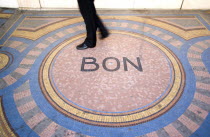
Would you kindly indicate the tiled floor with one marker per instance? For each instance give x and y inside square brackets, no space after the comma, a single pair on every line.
[5,14]
[149,78]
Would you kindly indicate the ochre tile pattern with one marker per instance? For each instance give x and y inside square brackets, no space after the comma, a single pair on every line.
[5,129]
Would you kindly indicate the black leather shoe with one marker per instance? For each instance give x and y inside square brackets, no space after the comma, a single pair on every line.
[104,34]
[83,46]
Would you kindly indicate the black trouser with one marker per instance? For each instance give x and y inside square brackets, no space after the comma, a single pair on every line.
[92,21]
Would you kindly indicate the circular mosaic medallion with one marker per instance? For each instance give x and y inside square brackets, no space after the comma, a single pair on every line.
[4,60]
[126,80]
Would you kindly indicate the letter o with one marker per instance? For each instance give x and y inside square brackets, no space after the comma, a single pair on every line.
[107,69]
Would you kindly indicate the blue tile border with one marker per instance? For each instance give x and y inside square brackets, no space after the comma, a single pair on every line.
[13,116]
[206,58]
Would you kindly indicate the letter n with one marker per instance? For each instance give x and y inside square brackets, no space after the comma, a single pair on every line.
[139,67]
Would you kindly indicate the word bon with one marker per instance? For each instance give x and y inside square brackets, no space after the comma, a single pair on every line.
[92,61]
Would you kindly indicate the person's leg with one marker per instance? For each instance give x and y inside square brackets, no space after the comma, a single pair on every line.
[88,12]
[102,28]
[99,23]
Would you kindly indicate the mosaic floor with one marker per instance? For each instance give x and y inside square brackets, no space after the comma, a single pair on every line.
[149,78]
[5,14]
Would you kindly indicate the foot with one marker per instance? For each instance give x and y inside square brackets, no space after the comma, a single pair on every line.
[83,46]
[104,34]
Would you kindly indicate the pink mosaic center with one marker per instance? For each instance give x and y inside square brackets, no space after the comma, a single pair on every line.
[114,91]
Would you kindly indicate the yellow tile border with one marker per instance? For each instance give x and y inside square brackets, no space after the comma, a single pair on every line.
[5,130]
[4,59]
[4,15]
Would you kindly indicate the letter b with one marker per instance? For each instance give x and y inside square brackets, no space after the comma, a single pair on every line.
[93,62]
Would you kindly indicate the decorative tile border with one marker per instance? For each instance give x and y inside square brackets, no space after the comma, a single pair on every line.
[35,118]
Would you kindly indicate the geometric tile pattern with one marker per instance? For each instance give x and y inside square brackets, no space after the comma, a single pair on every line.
[141,20]
[34,23]
[148,30]
[184,23]
[206,16]
[5,15]
[25,105]
[34,117]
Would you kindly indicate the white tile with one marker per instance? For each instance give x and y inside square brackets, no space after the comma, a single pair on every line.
[29,3]
[9,3]
[196,4]
[59,3]
[116,4]
[157,4]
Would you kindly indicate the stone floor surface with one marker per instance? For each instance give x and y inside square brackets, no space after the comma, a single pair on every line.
[149,78]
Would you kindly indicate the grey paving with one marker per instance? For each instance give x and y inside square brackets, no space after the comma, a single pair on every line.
[16,75]
[197,119]
[42,125]
[23,101]
[199,68]
[3,84]
[25,66]
[29,114]
[23,87]
[194,52]
[162,133]
[205,80]
[201,104]
[182,128]
[203,92]
[195,59]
